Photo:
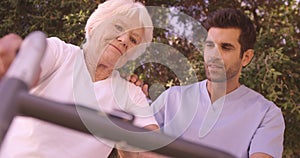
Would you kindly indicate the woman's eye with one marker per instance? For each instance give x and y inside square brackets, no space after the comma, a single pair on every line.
[119,28]
[133,40]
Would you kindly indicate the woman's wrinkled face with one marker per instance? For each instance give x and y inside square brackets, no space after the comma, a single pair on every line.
[123,34]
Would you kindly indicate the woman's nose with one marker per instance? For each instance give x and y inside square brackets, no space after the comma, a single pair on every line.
[124,40]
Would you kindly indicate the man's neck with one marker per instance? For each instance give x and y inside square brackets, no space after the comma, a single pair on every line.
[217,90]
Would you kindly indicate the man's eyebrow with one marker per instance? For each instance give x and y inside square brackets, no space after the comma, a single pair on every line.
[208,41]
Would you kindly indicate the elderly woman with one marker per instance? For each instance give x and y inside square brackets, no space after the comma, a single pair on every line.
[117,31]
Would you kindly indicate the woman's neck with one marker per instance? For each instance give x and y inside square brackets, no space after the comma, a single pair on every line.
[102,73]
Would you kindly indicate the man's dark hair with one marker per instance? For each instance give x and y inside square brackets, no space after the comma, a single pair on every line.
[232,18]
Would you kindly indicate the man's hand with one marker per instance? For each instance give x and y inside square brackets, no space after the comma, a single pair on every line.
[9,46]
[138,82]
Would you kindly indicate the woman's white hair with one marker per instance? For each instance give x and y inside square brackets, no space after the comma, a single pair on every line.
[100,15]
[113,7]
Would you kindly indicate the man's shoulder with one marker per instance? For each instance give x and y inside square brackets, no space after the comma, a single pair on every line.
[186,88]
[258,99]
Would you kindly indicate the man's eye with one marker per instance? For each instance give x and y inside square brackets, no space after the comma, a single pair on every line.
[227,47]
[119,28]
[209,45]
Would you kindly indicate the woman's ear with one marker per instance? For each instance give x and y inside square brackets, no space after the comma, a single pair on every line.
[247,57]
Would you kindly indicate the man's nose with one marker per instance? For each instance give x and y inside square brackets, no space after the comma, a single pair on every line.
[213,53]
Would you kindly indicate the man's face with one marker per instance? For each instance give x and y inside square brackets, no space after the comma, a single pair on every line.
[123,34]
[222,54]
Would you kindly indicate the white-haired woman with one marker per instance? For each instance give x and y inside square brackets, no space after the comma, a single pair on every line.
[117,31]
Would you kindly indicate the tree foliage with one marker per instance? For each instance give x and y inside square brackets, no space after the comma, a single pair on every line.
[274,72]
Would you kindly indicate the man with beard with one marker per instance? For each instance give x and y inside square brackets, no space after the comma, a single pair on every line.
[220,112]
[117,31]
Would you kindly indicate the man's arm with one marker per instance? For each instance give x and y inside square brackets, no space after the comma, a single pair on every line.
[268,138]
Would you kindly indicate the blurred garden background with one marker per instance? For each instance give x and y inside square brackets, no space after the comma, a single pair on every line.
[274,72]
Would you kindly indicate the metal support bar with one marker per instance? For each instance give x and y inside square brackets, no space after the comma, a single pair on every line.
[69,115]
[9,89]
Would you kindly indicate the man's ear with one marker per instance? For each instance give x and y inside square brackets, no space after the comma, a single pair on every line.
[247,57]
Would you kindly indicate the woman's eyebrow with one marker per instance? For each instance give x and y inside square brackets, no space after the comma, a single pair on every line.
[136,35]
[120,22]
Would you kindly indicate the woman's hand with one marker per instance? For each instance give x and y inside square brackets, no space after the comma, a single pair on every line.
[9,45]
[138,82]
